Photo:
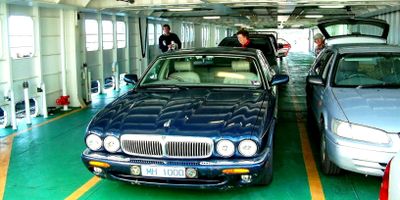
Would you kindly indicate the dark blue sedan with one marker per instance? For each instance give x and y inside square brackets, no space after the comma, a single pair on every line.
[201,118]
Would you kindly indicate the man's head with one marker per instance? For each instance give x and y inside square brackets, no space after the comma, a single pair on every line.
[242,36]
[319,39]
[166,29]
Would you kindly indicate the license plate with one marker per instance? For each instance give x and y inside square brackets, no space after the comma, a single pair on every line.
[161,171]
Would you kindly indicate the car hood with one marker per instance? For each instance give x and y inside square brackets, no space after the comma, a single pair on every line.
[193,112]
[377,108]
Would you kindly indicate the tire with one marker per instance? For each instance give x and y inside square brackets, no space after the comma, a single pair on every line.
[328,167]
[267,174]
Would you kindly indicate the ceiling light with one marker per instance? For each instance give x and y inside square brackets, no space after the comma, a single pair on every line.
[282,18]
[296,25]
[180,9]
[332,6]
[211,17]
[313,16]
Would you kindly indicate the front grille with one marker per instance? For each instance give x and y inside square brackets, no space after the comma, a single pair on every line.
[167,146]
[137,147]
[187,149]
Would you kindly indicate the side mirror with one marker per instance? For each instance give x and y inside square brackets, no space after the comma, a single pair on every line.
[315,80]
[131,78]
[279,79]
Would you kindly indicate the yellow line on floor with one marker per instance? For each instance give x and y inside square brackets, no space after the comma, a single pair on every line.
[5,152]
[314,181]
[44,123]
[84,188]
[6,146]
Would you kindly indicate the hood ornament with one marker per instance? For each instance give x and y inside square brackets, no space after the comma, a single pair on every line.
[167,124]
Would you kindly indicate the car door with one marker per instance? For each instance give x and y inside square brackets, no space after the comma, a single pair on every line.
[316,91]
[268,73]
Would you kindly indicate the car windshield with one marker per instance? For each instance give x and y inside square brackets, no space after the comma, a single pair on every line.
[364,71]
[203,71]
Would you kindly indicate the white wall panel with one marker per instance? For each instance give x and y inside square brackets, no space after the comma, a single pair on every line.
[50,45]
[107,62]
[51,64]
[393,18]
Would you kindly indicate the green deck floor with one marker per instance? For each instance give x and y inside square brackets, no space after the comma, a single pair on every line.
[45,162]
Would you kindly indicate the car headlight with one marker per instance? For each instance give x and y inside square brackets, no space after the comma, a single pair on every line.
[358,132]
[111,144]
[225,148]
[94,142]
[247,148]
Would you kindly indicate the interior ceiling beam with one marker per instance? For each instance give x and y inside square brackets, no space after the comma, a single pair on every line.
[104,4]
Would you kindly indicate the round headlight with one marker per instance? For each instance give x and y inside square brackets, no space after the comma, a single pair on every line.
[225,148]
[247,148]
[111,144]
[94,142]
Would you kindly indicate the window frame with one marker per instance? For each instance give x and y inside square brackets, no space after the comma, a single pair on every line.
[121,36]
[94,33]
[29,46]
[150,34]
[107,44]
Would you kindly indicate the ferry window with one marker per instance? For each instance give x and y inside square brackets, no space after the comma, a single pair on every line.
[92,35]
[21,36]
[158,31]
[1,42]
[150,34]
[217,38]
[121,35]
[108,34]
[183,38]
[205,32]
[187,31]
[191,33]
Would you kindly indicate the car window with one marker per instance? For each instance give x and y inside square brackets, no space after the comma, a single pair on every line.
[368,69]
[322,62]
[204,70]
[268,73]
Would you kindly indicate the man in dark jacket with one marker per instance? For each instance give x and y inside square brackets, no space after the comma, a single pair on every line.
[168,41]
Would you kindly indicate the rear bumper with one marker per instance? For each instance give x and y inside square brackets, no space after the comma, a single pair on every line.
[210,175]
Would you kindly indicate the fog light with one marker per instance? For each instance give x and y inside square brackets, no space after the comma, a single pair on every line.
[97,170]
[191,173]
[246,178]
[135,170]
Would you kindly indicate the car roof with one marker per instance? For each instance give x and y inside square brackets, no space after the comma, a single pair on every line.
[215,50]
[365,48]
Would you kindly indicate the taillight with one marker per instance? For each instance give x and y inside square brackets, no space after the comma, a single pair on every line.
[384,193]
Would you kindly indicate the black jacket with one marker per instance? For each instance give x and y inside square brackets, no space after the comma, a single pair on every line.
[165,40]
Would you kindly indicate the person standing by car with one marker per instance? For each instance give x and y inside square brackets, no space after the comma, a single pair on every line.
[243,38]
[320,42]
[168,41]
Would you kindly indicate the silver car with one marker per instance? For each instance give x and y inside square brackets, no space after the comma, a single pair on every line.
[353,97]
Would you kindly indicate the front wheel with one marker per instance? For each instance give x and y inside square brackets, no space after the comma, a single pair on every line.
[328,167]
[267,175]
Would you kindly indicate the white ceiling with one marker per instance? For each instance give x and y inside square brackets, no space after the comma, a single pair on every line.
[254,13]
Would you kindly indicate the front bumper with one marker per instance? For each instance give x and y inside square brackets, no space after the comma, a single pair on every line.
[209,172]
[357,159]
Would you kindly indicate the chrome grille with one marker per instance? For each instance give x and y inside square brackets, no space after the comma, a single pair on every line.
[187,149]
[138,147]
[167,146]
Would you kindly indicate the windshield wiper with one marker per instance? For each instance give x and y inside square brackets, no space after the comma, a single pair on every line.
[164,86]
[380,85]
